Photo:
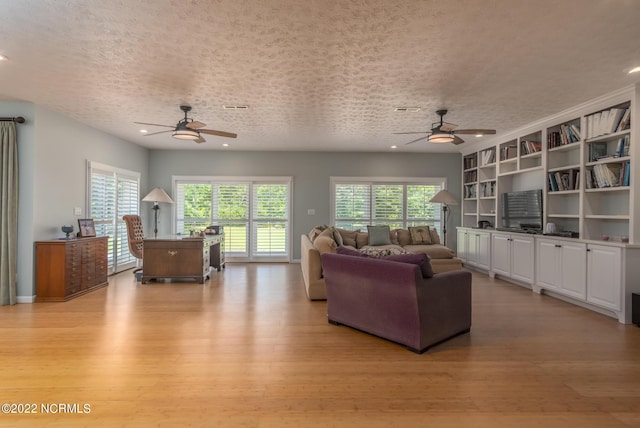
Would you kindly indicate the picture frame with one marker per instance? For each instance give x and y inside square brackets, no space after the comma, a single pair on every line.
[87,227]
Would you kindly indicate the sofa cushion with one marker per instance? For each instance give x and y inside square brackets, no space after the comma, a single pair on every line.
[348,236]
[394,237]
[404,237]
[348,251]
[419,259]
[435,239]
[334,234]
[434,251]
[379,235]
[316,231]
[362,239]
[420,235]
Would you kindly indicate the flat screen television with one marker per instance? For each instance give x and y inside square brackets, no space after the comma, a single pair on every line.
[522,210]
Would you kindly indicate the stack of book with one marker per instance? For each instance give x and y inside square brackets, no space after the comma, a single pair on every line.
[470,191]
[564,180]
[470,176]
[608,175]
[608,121]
[568,134]
[488,156]
[528,147]
[470,162]
[508,152]
[488,189]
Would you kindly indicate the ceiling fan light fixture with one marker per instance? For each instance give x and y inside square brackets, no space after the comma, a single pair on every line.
[441,137]
[185,134]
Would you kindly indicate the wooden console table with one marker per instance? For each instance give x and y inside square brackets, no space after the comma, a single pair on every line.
[70,268]
[182,257]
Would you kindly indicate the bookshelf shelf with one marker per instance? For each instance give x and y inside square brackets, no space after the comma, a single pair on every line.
[608,217]
[564,192]
[608,189]
[563,168]
[574,216]
[608,160]
[565,147]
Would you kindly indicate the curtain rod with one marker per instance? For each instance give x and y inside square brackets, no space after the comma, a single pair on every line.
[18,119]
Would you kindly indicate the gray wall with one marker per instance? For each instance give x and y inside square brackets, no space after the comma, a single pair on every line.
[53,153]
[310,171]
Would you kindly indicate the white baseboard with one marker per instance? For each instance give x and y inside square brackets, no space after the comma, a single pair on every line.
[25,299]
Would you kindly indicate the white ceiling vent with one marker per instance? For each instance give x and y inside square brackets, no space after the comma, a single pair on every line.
[407,109]
[232,107]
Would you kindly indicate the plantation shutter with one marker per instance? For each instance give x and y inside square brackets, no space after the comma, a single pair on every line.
[352,205]
[231,210]
[193,206]
[270,218]
[127,204]
[388,206]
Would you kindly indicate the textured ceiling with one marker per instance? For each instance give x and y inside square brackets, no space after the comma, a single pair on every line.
[316,74]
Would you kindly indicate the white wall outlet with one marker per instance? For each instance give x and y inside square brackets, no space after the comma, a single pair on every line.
[311,211]
[77,211]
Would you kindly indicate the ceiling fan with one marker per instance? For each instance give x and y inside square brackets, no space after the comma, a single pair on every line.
[444,132]
[189,129]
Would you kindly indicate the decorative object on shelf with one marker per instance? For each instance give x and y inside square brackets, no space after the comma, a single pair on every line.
[445,198]
[156,196]
[87,227]
[68,230]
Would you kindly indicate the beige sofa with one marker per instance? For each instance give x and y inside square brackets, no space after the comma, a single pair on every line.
[326,241]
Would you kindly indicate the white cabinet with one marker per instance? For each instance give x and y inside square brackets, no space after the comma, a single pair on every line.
[561,267]
[604,275]
[479,249]
[512,255]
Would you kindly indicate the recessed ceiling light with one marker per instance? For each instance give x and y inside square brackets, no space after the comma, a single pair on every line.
[143,131]
[2,58]
[225,144]
[634,70]
[407,109]
[478,135]
[394,147]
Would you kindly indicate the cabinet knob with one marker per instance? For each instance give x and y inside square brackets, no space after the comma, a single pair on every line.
[172,252]
[558,246]
[588,249]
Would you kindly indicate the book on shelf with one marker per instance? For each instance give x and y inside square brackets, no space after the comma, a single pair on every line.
[529,147]
[470,191]
[608,175]
[608,121]
[470,176]
[470,161]
[488,156]
[622,148]
[508,152]
[597,151]
[564,180]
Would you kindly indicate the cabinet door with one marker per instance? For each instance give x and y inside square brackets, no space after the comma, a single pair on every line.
[522,256]
[604,273]
[573,259]
[472,248]
[501,254]
[462,245]
[547,264]
[484,250]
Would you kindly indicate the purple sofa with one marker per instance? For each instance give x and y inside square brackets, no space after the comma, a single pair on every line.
[393,300]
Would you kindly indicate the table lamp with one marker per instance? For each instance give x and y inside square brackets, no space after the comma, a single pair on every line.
[157,195]
[445,198]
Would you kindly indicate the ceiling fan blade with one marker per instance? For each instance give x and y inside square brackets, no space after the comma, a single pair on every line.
[196,125]
[159,132]
[154,124]
[457,140]
[475,131]
[218,133]
[415,141]
[420,132]
[200,140]
[446,127]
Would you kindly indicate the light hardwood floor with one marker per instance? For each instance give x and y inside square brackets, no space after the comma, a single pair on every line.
[248,349]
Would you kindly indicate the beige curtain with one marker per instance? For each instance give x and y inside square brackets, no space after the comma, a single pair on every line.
[8,213]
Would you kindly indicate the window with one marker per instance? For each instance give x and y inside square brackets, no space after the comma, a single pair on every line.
[113,193]
[253,211]
[399,203]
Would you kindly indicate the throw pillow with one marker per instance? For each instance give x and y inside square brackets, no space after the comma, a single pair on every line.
[315,232]
[379,235]
[362,239]
[404,237]
[420,235]
[435,239]
[380,251]
[348,236]
[336,236]
[325,244]
[394,237]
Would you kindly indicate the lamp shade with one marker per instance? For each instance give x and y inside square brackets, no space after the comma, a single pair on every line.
[444,197]
[182,132]
[158,195]
[441,137]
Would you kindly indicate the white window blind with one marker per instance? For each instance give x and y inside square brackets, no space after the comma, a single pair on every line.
[254,214]
[399,203]
[113,193]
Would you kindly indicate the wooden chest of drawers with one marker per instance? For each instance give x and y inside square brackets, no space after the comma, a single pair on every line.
[67,269]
